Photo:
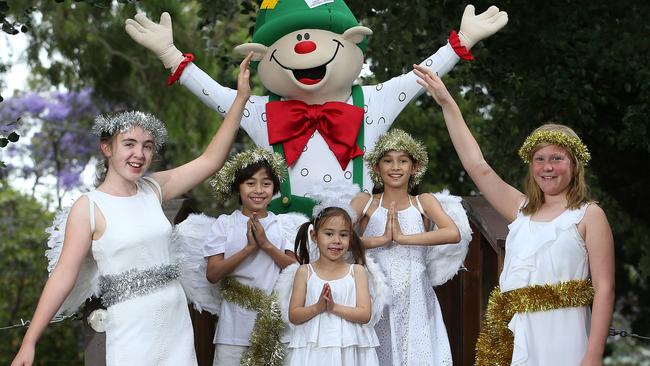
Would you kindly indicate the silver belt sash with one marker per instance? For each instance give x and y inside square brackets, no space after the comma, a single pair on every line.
[136,282]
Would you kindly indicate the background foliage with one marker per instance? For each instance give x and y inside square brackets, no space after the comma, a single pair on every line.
[582,63]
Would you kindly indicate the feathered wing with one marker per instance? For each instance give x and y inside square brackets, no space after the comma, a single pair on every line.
[188,239]
[380,293]
[283,288]
[444,261]
[290,223]
[336,194]
[87,284]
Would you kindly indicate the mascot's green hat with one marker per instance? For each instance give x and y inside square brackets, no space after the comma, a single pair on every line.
[278,18]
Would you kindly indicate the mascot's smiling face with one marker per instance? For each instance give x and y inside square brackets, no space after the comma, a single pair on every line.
[312,65]
[307,54]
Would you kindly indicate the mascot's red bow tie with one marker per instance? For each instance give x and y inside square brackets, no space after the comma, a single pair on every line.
[292,123]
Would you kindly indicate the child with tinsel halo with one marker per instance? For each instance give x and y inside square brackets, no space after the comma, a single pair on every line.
[559,250]
[330,305]
[245,252]
[411,331]
[115,243]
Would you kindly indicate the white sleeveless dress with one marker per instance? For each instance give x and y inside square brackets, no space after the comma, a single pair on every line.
[539,253]
[411,331]
[154,327]
[327,339]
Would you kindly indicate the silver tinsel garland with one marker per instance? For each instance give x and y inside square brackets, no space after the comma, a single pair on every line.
[136,282]
[122,122]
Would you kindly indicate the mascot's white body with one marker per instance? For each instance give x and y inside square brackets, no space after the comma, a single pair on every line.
[316,165]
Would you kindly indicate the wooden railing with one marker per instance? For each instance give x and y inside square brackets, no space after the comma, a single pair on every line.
[463,299]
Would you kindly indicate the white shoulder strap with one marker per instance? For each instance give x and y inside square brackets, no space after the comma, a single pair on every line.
[426,220]
[419,207]
[365,209]
[523,204]
[581,212]
[152,182]
[91,213]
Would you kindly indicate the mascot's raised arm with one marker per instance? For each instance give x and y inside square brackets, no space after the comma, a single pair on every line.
[309,54]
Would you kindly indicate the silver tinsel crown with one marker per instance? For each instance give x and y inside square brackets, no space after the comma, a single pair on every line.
[124,121]
[223,180]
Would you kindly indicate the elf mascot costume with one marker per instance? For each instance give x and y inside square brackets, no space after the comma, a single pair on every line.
[308,54]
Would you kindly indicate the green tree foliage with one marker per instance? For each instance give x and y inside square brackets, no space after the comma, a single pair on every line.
[24,272]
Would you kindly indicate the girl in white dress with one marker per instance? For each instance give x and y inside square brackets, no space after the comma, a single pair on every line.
[411,331]
[559,246]
[330,301]
[250,246]
[122,225]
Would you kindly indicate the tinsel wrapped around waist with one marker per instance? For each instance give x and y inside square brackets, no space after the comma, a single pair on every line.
[136,282]
[266,348]
[495,343]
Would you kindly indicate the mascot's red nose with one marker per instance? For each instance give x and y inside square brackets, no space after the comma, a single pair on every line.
[305,47]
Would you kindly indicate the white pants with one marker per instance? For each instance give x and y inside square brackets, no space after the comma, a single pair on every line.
[227,355]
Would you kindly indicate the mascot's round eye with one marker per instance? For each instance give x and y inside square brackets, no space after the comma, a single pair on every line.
[299,37]
[306,35]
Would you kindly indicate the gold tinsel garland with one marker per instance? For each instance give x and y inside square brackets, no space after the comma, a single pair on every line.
[495,343]
[571,143]
[266,348]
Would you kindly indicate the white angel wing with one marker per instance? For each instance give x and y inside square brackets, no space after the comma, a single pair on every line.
[444,261]
[290,223]
[187,248]
[283,288]
[87,284]
[380,293]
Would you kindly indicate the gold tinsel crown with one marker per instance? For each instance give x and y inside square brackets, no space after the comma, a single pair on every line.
[568,142]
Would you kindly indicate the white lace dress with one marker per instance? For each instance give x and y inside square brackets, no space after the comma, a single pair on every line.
[539,253]
[147,323]
[327,339]
[411,331]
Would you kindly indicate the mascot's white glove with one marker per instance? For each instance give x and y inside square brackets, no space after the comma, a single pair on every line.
[159,38]
[474,28]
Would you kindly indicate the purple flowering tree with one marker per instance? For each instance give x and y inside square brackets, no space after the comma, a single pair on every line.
[59,142]
[8,134]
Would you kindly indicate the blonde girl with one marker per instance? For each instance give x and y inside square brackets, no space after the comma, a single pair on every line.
[559,250]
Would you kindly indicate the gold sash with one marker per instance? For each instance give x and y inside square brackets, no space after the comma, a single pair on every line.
[495,343]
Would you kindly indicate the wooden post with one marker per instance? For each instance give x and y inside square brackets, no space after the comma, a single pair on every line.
[464,298]
[94,343]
